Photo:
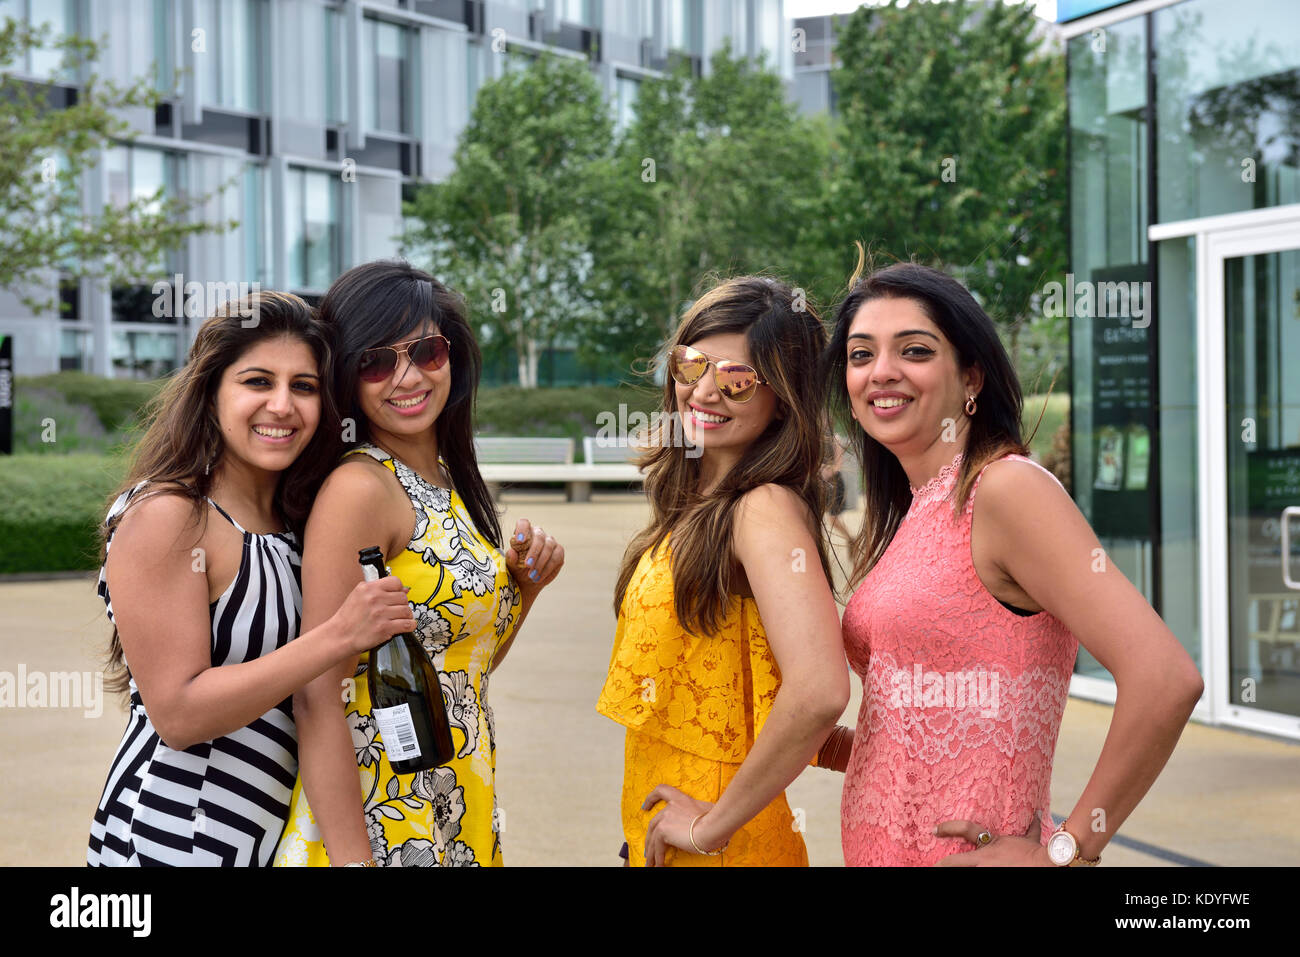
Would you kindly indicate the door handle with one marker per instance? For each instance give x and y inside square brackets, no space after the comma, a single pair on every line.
[1288,513]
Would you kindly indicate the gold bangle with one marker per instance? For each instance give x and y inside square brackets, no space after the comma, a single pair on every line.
[367,863]
[699,850]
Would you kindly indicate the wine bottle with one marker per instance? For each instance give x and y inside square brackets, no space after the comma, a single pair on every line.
[405,695]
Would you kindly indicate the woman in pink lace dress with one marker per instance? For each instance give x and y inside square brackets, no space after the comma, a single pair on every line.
[963,628]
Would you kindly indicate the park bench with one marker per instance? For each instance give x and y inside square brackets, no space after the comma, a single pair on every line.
[504,459]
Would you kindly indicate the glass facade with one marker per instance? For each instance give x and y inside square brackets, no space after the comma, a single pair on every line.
[228,54]
[1262,312]
[1112,365]
[386,77]
[625,96]
[1227,107]
[684,26]
[1188,111]
[312,229]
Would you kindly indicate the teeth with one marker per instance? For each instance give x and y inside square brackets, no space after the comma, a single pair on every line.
[706,417]
[408,403]
[272,433]
[890,403]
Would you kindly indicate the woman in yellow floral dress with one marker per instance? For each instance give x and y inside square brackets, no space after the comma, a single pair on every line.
[728,668]
[408,369]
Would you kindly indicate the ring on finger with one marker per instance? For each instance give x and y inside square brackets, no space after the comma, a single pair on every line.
[984,837]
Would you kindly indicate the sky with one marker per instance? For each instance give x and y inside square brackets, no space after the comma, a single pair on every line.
[816,8]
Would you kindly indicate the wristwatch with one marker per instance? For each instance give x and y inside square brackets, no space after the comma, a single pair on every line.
[1063,849]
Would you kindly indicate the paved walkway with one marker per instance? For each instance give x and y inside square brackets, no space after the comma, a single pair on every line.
[1226,797]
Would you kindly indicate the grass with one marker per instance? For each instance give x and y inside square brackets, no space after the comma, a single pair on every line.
[1056,414]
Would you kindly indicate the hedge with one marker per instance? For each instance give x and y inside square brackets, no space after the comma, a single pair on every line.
[53,506]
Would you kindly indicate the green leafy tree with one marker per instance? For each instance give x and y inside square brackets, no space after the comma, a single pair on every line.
[510,228]
[45,149]
[717,174]
[952,150]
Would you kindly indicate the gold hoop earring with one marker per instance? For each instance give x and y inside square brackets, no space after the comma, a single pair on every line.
[970,405]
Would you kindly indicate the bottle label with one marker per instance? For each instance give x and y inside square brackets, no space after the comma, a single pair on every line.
[398,732]
[370,573]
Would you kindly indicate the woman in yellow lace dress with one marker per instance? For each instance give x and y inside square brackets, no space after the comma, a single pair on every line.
[728,668]
[407,368]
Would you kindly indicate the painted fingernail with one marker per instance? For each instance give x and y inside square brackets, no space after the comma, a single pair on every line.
[519,537]
[529,563]
[533,575]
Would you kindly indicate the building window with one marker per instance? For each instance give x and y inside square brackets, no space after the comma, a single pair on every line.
[139,354]
[576,11]
[771,33]
[335,66]
[685,26]
[137,173]
[43,61]
[312,210]
[228,53]
[1227,98]
[386,77]
[1112,364]
[626,91]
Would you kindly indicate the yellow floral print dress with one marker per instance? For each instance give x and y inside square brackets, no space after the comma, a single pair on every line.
[693,706]
[466,606]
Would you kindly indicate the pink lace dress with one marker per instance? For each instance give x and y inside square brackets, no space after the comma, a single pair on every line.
[962,697]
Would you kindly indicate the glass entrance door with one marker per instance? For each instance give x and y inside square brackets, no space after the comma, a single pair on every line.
[1261,312]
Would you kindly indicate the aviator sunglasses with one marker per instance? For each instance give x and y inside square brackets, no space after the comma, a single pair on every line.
[735,380]
[429,353]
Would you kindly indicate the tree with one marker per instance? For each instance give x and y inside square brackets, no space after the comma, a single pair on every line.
[715,174]
[510,227]
[44,151]
[952,148]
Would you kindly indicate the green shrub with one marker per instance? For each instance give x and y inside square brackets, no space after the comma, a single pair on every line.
[53,506]
[117,403]
[90,414]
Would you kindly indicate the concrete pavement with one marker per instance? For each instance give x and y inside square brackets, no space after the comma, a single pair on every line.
[1225,798]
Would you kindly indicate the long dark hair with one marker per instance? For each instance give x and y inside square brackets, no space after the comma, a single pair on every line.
[994,429]
[785,338]
[381,302]
[182,446]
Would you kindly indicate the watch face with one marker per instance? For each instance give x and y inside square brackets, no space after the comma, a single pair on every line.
[1061,848]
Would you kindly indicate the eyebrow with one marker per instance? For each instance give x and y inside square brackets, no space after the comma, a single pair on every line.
[296,375]
[901,335]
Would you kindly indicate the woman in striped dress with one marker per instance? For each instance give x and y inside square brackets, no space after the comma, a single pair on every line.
[204,610]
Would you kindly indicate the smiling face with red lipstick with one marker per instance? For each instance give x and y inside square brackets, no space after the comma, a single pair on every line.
[905,382]
[410,398]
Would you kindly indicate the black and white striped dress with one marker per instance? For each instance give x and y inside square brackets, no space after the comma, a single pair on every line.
[221,802]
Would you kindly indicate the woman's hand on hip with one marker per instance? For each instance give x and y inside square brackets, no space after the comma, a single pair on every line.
[671,827]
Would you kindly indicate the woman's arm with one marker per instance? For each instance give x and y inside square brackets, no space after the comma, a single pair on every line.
[777,550]
[358,506]
[160,604]
[1035,535]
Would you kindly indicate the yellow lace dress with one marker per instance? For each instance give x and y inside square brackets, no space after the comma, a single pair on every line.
[466,605]
[693,707]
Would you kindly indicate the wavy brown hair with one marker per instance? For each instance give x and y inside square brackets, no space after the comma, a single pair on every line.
[994,429]
[181,447]
[785,338]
